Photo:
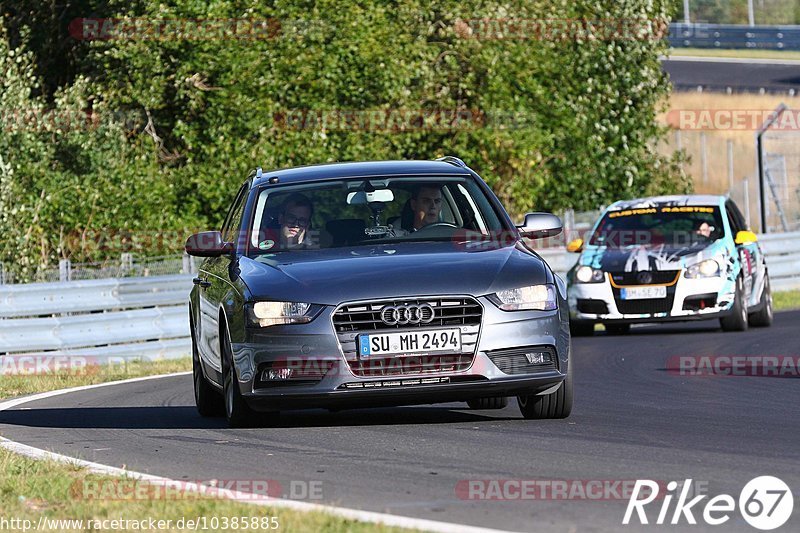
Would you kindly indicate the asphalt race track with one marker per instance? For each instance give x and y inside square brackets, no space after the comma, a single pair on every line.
[632,419]
[719,74]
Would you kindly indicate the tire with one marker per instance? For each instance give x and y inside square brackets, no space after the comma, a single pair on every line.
[737,320]
[581,328]
[554,405]
[237,412]
[208,400]
[498,402]
[617,329]
[763,317]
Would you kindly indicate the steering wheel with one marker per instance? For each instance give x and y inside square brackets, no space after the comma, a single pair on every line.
[438,225]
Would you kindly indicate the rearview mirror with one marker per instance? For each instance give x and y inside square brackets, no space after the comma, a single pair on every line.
[575,246]
[208,244]
[540,225]
[363,197]
[745,237]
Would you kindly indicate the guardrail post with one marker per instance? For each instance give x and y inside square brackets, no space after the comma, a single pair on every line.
[2,274]
[64,270]
[126,262]
[187,264]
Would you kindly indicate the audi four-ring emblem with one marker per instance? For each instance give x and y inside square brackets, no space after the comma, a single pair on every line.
[393,315]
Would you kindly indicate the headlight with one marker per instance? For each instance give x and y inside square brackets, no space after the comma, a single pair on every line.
[540,297]
[273,313]
[704,269]
[587,274]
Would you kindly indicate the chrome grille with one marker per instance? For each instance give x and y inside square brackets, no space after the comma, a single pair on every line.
[352,319]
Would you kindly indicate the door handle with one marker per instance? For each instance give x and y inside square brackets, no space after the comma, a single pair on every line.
[203,283]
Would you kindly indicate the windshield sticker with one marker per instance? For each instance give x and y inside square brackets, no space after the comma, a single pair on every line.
[266,245]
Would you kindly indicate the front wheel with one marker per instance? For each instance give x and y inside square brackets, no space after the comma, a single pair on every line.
[763,317]
[208,400]
[557,404]
[617,329]
[581,328]
[498,402]
[737,320]
[237,411]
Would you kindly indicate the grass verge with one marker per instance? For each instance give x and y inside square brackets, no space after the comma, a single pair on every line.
[785,300]
[56,493]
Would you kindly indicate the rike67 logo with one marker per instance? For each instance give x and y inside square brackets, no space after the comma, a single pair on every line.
[765,503]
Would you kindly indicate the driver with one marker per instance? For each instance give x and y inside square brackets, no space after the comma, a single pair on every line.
[426,206]
[704,230]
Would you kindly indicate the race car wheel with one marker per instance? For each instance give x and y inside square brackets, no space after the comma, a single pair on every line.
[498,402]
[763,317]
[737,320]
[557,404]
[581,328]
[617,329]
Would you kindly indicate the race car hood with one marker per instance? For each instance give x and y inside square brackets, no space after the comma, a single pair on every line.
[332,276]
[640,257]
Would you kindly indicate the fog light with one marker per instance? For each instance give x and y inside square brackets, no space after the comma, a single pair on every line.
[277,373]
[538,358]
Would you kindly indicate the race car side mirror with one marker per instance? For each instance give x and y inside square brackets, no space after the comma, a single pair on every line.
[575,246]
[745,237]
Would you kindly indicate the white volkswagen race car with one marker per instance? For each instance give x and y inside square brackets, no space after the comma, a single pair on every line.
[669,258]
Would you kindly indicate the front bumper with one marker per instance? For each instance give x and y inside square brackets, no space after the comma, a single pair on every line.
[684,293]
[317,342]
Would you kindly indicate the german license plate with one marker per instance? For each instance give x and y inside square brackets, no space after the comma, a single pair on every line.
[643,293]
[410,342]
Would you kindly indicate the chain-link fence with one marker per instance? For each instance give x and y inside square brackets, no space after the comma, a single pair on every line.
[738,11]
[781,155]
[126,266]
[723,159]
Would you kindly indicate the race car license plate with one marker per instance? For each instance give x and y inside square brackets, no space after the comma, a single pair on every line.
[643,293]
[410,342]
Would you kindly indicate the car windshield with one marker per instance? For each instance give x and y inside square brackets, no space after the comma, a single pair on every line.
[667,225]
[362,212]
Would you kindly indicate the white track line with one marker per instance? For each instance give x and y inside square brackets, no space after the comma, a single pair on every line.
[253,499]
[736,60]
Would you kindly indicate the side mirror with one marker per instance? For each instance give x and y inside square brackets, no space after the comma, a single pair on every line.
[208,244]
[575,246]
[540,226]
[745,237]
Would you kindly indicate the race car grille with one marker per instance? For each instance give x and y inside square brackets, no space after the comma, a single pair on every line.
[648,277]
[525,360]
[354,319]
[645,307]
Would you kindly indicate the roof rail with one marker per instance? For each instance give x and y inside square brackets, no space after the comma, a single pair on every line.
[259,172]
[453,161]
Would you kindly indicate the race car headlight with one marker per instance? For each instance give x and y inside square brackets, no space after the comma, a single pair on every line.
[704,269]
[273,313]
[538,297]
[587,274]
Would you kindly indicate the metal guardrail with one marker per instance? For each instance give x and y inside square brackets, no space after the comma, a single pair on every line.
[782,251]
[147,317]
[129,317]
[700,35]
